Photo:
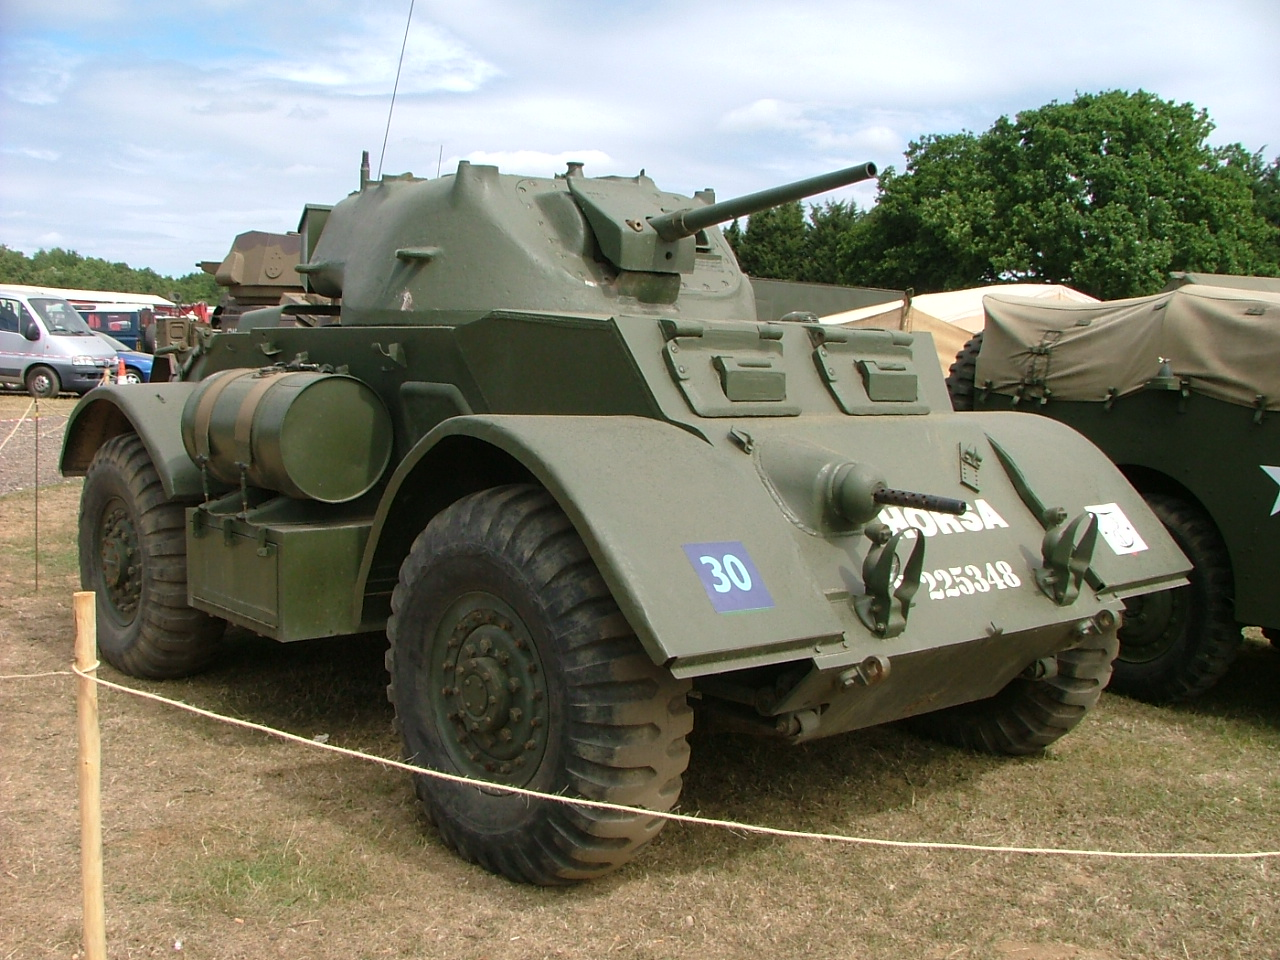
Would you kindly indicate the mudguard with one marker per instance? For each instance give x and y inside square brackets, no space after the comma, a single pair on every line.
[715,574]
[151,410]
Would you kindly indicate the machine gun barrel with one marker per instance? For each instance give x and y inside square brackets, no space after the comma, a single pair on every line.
[921,501]
[687,222]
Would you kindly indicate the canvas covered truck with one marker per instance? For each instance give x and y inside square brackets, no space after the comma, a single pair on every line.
[541,439]
[1182,391]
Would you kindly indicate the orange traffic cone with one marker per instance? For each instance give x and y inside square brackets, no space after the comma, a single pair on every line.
[119,370]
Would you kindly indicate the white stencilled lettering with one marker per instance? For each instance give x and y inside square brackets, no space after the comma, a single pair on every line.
[981,516]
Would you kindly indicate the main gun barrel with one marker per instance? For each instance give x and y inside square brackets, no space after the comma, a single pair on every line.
[687,222]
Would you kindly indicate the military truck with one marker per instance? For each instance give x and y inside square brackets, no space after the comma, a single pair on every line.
[544,442]
[1182,391]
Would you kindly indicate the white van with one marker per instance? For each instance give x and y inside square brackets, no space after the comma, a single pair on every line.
[45,345]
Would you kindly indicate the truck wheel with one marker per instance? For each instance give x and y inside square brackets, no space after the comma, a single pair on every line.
[962,379]
[1028,715]
[43,382]
[510,662]
[133,555]
[1177,643]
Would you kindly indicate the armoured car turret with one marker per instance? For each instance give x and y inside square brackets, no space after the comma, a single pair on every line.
[544,441]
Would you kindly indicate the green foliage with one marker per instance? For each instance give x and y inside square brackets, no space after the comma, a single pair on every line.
[1107,193]
[773,244]
[785,244]
[65,268]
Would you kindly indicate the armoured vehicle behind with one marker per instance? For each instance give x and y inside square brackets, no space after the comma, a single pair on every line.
[1182,391]
[258,271]
[542,439]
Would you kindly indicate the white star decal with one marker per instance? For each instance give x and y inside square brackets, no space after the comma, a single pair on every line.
[1274,474]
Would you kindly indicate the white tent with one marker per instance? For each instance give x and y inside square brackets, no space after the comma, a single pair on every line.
[951,317]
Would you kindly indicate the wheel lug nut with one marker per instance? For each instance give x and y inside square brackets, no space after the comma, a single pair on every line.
[515,714]
[535,722]
[513,684]
[529,744]
[504,735]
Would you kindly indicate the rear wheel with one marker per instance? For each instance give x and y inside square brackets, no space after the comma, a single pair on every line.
[133,375]
[962,379]
[1177,643]
[511,663]
[1028,715]
[43,382]
[133,555]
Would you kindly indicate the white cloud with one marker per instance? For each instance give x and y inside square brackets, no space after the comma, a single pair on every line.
[153,132]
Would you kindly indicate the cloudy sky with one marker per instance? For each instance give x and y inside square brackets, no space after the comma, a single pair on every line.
[152,132]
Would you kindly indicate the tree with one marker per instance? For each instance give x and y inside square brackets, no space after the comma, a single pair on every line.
[1107,193]
[66,268]
[773,244]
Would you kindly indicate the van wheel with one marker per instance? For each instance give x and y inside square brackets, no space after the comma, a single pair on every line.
[1177,643]
[133,556]
[1028,715]
[510,662]
[43,383]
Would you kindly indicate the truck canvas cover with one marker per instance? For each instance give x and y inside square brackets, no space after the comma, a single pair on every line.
[1223,343]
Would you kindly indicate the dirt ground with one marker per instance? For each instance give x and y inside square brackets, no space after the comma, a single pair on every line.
[221,843]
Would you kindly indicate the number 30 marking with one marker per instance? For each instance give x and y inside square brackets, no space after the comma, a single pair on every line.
[729,572]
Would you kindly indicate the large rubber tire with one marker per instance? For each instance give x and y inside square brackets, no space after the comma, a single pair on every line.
[1178,643]
[1028,715]
[962,380]
[42,382]
[133,555]
[510,662]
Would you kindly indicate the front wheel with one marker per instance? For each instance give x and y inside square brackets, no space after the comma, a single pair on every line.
[133,375]
[43,383]
[133,556]
[510,662]
[1028,715]
[1177,643]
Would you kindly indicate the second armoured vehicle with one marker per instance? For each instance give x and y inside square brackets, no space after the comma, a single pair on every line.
[542,438]
[1182,391]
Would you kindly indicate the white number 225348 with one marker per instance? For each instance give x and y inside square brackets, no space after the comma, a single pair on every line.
[967,580]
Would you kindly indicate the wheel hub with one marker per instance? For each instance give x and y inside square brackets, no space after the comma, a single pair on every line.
[120,561]
[1152,624]
[493,697]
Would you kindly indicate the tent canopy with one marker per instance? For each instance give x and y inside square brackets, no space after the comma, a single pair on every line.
[951,317]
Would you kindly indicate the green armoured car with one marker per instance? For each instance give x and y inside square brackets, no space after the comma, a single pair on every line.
[541,437]
[1182,391]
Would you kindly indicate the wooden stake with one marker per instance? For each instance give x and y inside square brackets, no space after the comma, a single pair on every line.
[90,771]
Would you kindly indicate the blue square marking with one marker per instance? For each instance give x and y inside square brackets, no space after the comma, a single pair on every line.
[729,576]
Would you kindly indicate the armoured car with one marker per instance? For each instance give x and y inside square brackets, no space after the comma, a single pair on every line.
[541,438]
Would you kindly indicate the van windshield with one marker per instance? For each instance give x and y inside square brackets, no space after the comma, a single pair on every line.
[60,317]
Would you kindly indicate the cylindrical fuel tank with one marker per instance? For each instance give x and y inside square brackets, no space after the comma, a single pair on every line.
[308,435]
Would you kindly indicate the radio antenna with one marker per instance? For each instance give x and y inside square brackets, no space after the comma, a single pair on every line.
[396,87]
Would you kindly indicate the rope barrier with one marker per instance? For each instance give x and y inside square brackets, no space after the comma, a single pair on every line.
[21,420]
[676,817]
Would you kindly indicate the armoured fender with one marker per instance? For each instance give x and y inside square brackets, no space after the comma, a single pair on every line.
[154,412]
[698,557]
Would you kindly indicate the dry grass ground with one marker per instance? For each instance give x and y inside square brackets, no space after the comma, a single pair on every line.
[220,843]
